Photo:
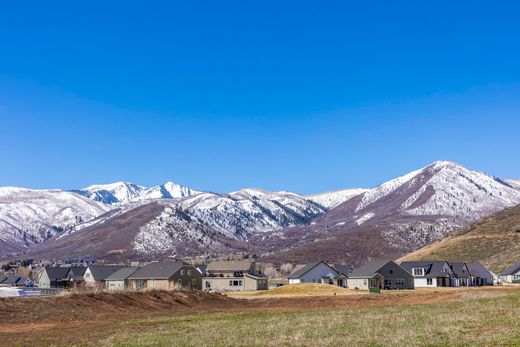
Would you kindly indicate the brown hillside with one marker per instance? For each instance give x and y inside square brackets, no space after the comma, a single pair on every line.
[494,241]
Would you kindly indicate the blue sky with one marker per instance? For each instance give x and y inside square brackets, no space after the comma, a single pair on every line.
[218,95]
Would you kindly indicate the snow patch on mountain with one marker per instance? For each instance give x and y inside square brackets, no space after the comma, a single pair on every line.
[364,218]
[335,198]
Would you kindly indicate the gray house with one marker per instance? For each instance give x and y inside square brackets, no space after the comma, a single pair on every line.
[430,274]
[95,275]
[344,271]
[511,274]
[53,277]
[480,276]
[315,272]
[462,275]
[382,274]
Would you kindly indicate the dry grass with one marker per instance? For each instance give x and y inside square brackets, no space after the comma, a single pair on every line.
[474,321]
[295,290]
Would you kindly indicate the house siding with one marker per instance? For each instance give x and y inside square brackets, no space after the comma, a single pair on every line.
[315,274]
[115,284]
[359,283]
[423,283]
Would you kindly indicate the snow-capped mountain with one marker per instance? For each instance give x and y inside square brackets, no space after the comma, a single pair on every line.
[407,212]
[333,199]
[207,216]
[198,224]
[514,183]
[114,192]
[123,192]
[31,216]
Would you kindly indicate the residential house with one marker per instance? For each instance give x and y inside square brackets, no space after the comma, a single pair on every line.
[344,272]
[382,274]
[511,274]
[75,276]
[315,272]
[166,275]
[95,275]
[480,276]
[233,276]
[462,275]
[119,279]
[53,277]
[13,281]
[430,274]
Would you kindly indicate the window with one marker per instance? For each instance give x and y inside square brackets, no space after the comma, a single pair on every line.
[429,282]
[235,283]
[418,271]
[364,282]
[399,282]
[193,281]
[189,272]
[180,282]
[391,272]
[182,272]
[388,282]
[208,284]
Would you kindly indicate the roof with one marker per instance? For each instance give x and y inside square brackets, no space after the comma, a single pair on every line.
[511,270]
[14,280]
[433,268]
[235,265]
[57,273]
[368,269]
[122,274]
[477,270]
[344,269]
[256,277]
[2,279]
[458,268]
[158,270]
[302,271]
[100,273]
[78,270]
[202,268]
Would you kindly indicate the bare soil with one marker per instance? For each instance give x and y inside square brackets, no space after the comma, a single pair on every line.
[87,318]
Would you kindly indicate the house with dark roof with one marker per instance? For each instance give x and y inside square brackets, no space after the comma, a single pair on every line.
[462,275]
[315,272]
[166,275]
[75,276]
[95,275]
[511,274]
[119,279]
[53,277]
[344,272]
[434,273]
[480,276]
[13,281]
[238,275]
[381,274]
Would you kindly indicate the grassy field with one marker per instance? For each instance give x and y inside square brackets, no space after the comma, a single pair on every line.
[480,319]
[307,289]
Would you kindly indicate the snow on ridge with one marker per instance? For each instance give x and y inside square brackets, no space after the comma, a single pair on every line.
[365,217]
[335,198]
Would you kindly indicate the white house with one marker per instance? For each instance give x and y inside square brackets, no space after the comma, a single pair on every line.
[315,272]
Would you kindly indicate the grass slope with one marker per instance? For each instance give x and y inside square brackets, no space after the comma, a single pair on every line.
[474,321]
[494,241]
[304,289]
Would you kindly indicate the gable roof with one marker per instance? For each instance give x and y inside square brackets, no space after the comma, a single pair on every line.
[2,279]
[458,269]
[57,273]
[100,272]
[14,280]
[78,271]
[511,270]
[344,269]
[122,274]
[157,270]
[369,269]
[433,268]
[235,265]
[202,268]
[308,267]
[478,270]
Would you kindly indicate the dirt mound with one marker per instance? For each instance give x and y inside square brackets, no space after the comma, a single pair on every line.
[89,306]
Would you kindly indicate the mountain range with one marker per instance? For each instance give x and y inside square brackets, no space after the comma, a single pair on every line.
[123,221]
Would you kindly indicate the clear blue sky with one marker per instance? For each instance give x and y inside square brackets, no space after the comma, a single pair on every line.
[219,95]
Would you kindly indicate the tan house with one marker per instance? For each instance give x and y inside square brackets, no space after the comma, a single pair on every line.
[233,276]
[166,275]
[119,279]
